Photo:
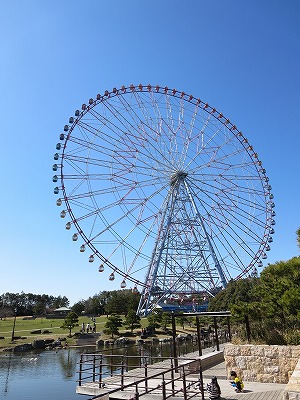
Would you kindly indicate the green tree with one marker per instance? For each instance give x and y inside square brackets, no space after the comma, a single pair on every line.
[155,319]
[103,301]
[121,301]
[236,292]
[132,321]
[279,289]
[272,303]
[60,301]
[92,305]
[70,322]
[114,322]
[166,320]
[79,307]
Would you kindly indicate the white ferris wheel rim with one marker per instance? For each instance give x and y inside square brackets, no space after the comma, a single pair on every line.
[119,156]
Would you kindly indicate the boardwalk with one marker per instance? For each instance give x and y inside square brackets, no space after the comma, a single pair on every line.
[138,388]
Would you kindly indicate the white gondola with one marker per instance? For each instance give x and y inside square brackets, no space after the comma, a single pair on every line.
[123,284]
[68,225]
[112,276]
[101,268]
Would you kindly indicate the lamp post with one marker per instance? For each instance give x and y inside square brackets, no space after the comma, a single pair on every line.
[13,330]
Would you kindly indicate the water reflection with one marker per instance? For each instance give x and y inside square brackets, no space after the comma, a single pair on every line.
[35,375]
[7,375]
[67,360]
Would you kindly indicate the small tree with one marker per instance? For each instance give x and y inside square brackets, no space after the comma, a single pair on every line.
[70,322]
[132,321]
[154,319]
[166,320]
[114,322]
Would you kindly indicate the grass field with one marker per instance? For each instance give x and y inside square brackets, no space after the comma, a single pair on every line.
[50,329]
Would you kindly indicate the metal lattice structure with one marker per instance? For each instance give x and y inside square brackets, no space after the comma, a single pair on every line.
[164,191]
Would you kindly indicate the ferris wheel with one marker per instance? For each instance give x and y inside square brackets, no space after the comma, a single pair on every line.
[164,192]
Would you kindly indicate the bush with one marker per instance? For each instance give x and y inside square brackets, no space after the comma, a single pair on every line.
[275,337]
[293,338]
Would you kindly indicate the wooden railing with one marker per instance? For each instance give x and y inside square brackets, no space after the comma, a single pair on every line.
[163,378]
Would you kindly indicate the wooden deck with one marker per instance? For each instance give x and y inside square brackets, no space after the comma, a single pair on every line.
[159,375]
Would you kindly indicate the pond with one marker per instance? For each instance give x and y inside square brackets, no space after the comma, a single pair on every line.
[46,375]
[52,374]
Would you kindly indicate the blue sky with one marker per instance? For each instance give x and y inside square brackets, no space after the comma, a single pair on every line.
[242,57]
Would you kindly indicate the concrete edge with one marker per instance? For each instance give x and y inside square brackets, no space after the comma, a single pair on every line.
[292,389]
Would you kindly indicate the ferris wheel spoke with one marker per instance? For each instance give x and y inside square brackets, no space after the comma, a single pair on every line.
[129,212]
[230,218]
[230,199]
[143,150]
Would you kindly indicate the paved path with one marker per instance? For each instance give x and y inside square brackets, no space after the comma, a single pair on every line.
[252,390]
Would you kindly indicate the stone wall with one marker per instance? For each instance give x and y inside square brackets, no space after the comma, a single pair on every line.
[262,363]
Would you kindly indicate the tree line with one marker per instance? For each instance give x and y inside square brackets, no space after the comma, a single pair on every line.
[270,301]
[113,302]
[30,304]
[108,302]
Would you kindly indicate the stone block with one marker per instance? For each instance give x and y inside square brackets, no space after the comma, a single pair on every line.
[285,351]
[246,350]
[256,366]
[272,369]
[271,351]
[295,352]
[241,362]
[231,350]
[258,351]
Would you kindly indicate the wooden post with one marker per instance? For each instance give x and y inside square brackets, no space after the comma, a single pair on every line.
[163,385]
[122,373]
[199,336]
[184,384]
[216,333]
[228,326]
[201,381]
[146,376]
[136,392]
[80,369]
[172,378]
[174,342]
[100,370]
[94,368]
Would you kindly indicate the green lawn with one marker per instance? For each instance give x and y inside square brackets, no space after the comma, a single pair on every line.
[50,329]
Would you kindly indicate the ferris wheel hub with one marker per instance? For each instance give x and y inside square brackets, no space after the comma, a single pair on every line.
[179,175]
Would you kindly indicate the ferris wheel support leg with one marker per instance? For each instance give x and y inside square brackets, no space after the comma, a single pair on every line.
[143,308]
[212,251]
